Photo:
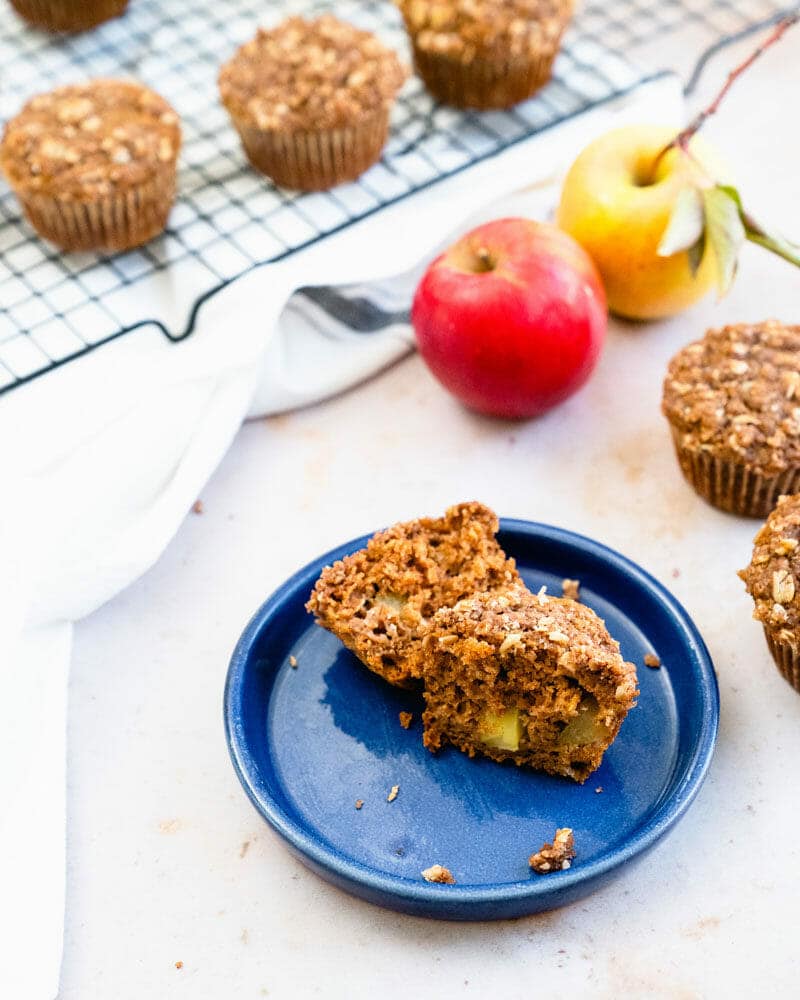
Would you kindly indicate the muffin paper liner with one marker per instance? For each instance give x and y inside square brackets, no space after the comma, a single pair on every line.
[731,486]
[483,84]
[786,657]
[316,160]
[68,15]
[117,222]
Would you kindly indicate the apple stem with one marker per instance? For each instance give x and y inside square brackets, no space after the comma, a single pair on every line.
[484,258]
[683,138]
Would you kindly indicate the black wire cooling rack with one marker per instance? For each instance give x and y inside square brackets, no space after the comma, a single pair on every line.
[229,219]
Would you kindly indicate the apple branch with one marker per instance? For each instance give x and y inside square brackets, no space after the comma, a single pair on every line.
[683,138]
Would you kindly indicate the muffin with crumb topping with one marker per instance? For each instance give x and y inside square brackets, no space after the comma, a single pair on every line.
[68,15]
[485,54]
[311,99]
[773,581]
[732,401]
[379,600]
[94,164]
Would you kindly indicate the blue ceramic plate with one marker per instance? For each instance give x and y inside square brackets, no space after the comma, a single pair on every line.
[307,742]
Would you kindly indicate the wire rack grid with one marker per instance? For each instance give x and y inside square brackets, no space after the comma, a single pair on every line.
[228,219]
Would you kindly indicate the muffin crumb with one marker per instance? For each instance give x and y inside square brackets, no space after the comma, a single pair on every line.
[293,662]
[571,589]
[406,718]
[556,856]
[393,794]
[651,660]
[359,803]
[440,874]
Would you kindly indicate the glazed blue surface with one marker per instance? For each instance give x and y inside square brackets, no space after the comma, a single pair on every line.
[307,742]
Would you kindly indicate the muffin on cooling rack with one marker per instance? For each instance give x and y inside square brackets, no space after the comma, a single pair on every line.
[485,53]
[773,581]
[68,15]
[311,100]
[732,401]
[94,164]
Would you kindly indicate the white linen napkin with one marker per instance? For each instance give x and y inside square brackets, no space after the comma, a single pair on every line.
[104,457]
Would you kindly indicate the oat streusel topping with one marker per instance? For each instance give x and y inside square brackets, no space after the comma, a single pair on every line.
[91,140]
[314,74]
[466,29]
[773,576]
[736,394]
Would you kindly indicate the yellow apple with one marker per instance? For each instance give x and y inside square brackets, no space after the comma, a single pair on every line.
[617,201]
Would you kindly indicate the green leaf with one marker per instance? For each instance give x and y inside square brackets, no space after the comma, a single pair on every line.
[725,231]
[686,223]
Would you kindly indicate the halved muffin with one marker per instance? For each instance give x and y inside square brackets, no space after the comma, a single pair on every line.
[379,600]
[525,677]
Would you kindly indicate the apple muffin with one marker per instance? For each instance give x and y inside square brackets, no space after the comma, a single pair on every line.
[773,581]
[485,53]
[732,401]
[93,164]
[311,99]
[379,600]
[525,677]
[68,15]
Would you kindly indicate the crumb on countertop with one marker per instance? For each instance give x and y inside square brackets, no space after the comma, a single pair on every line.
[438,873]
[359,803]
[197,507]
[571,589]
[393,794]
[179,965]
[651,660]
[293,662]
[556,856]
[406,718]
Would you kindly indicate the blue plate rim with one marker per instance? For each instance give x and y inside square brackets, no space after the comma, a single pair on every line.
[666,814]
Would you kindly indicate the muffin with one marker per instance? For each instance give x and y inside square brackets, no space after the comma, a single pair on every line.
[732,401]
[68,15]
[311,101]
[485,53]
[524,677]
[94,164]
[772,581]
[378,600]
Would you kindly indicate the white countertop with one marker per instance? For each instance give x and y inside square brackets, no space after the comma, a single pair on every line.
[167,860]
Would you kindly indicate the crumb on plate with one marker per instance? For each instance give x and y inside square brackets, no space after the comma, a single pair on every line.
[293,662]
[556,856]
[197,507]
[651,660]
[571,589]
[438,873]
[406,718]
[393,794]
[359,803]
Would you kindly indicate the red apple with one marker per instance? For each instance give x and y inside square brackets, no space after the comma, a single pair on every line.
[512,318]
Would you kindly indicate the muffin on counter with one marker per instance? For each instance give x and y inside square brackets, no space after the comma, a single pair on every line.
[379,600]
[485,53]
[525,677]
[311,100]
[732,401]
[93,165]
[68,15]
[773,581]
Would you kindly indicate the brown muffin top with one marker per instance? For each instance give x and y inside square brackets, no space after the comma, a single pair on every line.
[736,394]
[773,576]
[89,140]
[464,29]
[305,74]
[517,621]
[378,600]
